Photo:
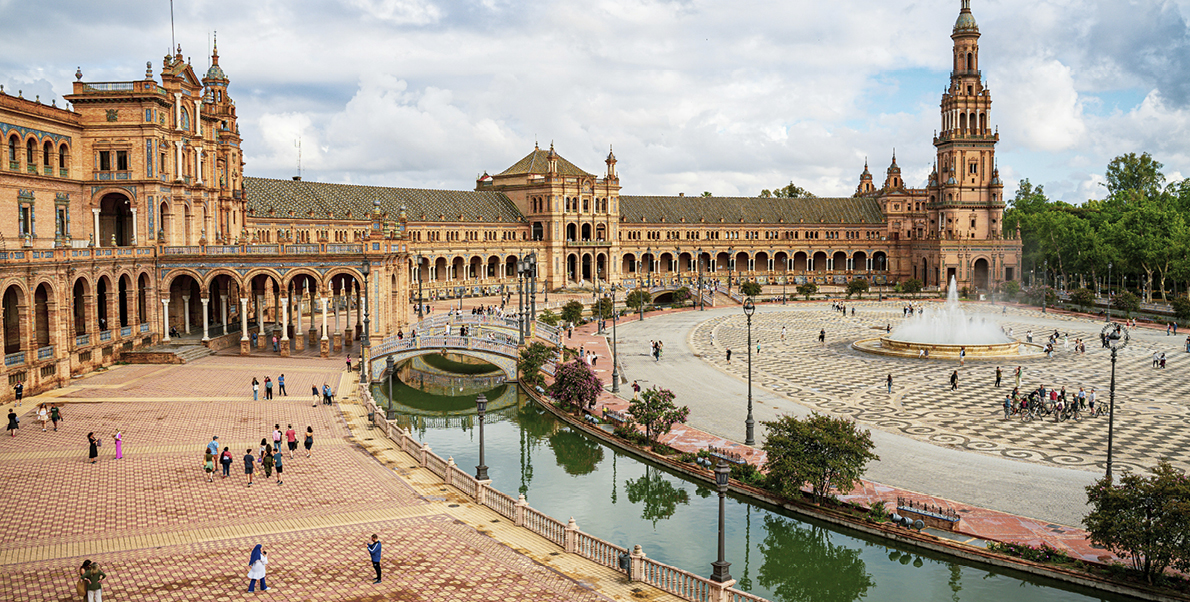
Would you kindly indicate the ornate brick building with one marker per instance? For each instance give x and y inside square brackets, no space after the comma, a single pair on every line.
[134,219]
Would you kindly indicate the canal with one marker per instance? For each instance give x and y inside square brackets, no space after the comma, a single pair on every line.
[619,498]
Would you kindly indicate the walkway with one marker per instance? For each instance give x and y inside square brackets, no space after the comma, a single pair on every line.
[162,532]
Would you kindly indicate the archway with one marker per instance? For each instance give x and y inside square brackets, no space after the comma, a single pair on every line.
[879,261]
[781,262]
[456,269]
[142,298]
[818,262]
[799,261]
[571,232]
[601,267]
[475,269]
[981,273]
[572,267]
[839,261]
[600,232]
[79,294]
[493,269]
[722,261]
[586,232]
[925,271]
[629,264]
[122,305]
[538,231]
[41,316]
[439,271]
[13,300]
[760,263]
[859,261]
[115,219]
[103,290]
[184,303]
[587,267]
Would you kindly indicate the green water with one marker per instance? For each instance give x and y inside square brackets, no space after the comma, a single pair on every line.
[565,473]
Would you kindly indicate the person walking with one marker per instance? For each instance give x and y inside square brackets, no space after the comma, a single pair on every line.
[314,392]
[962,355]
[277,435]
[890,383]
[822,337]
[309,443]
[277,463]
[119,444]
[281,385]
[255,389]
[55,416]
[291,439]
[213,446]
[729,355]
[374,553]
[225,461]
[1018,377]
[268,388]
[258,564]
[14,423]
[269,462]
[43,415]
[92,447]
[19,391]
[782,334]
[249,465]
[93,578]
[954,380]
[998,374]
[208,465]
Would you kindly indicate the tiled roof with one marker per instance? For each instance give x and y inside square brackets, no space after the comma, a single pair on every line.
[334,201]
[537,162]
[749,210]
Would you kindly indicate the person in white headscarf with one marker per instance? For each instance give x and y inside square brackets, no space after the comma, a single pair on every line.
[257,564]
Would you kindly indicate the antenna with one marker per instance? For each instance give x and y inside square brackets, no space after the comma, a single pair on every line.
[173,42]
[299,147]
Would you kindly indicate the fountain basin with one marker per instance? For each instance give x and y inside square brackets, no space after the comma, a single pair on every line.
[898,348]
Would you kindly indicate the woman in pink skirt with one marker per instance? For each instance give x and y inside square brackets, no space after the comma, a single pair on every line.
[119,444]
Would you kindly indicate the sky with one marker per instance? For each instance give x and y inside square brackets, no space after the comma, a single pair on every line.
[726,97]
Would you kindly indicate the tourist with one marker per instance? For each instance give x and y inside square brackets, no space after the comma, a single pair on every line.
[1029,336]
[277,464]
[309,443]
[43,415]
[225,460]
[635,388]
[782,334]
[277,434]
[268,388]
[82,583]
[1156,358]
[374,553]
[921,354]
[19,391]
[822,337]
[92,447]
[328,397]
[255,389]
[14,423]
[998,374]
[93,577]
[268,462]
[276,347]
[281,385]
[257,564]
[291,439]
[213,446]
[962,355]
[55,416]
[119,438]
[349,363]
[1018,376]
[208,465]
[889,383]
[314,392]
[1162,359]
[729,351]
[954,380]
[249,465]
[264,444]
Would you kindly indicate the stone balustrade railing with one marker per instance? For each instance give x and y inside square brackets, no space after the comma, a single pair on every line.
[632,564]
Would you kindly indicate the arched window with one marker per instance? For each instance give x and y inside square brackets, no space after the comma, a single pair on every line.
[46,150]
[12,150]
[962,121]
[30,150]
[63,158]
[970,62]
[185,120]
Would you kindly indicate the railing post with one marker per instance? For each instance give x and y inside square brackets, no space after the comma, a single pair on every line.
[637,560]
[481,491]
[718,591]
[425,452]
[450,465]
[570,539]
[519,517]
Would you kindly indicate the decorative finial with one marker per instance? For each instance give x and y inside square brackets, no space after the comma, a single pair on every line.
[148,69]
[78,74]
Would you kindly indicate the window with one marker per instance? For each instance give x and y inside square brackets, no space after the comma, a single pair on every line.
[25,217]
[974,167]
[30,149]
[149,115]
[122,160]
[12,152]
[63,159]
[46,151]
[105,161]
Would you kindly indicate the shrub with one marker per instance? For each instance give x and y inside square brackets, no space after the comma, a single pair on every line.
[533,357]
[857,287]
[572,312]
[750,289]
[1042,553]
[638,298]
[911,286]
[548,317]
[1082,298]
[654,409]
[1010,288]
[807,289]
[820,450]
[1126,302]
[575,385]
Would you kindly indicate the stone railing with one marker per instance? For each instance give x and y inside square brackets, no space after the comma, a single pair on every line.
[633,564]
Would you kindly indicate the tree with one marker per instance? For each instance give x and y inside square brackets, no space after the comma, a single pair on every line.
[820,450]
[658,497]
[706,193]
[572,312]
[548,317]
[911,286]
[807,289]
[575,386]
[1132,173]
[638,298]
[1010,288]
[1144,519]
[682,295]
[654,409]
[1181,308]
[603,308]
[1126,302]
[857,287]
[533,357]
[749,288]
[792,191]
[1082,298]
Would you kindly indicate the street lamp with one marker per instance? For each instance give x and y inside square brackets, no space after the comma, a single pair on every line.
[520,291]
[481,406]
[719,572]
[1044,283]
[420,300]
[615,356]
[702,304]
[1109,291]
[531,275]
[363,352]
[649,253]
[1117,337]
[749,309]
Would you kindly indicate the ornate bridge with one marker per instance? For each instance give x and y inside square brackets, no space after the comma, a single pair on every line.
[491,339]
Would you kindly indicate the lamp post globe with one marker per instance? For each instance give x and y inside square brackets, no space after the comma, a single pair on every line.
[719,568]
[750,424]
[481,407]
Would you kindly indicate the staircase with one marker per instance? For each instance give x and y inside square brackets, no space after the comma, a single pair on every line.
[166,354]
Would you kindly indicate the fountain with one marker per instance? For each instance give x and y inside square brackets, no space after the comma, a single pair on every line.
[942,332]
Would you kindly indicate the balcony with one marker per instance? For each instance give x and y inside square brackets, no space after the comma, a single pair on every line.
[45,353]
[113,175]
[144,327]
[126,331]
[82,340]
[14,166]
[105,335]
[109,86]
[14,359]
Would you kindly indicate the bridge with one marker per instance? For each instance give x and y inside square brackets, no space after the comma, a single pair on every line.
[492,339]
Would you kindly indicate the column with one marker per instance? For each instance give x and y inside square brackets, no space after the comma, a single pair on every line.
[338,337]
[324,349]
[98,242]
[186,312]
[245,343]
[313,333]
[299,337]
[177,110]
[178,159]
[285,327]
[205,319]
[165,319]
[223,300]
[347,319]
[134,226]
[198,156]
[260,342]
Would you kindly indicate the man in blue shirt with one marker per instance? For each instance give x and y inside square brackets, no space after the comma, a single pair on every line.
[213,446]
[374,550]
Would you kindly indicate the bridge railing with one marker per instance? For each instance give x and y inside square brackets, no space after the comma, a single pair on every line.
[392,344]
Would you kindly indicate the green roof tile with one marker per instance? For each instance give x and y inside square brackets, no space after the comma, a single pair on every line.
[749,210]
[334,201]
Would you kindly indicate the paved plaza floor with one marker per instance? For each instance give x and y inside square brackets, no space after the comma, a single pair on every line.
[162,532]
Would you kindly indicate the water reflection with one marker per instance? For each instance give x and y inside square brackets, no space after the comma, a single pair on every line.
[658,497]
[801,563]
[575,453]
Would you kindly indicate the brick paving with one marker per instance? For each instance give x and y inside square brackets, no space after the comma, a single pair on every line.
[162,532]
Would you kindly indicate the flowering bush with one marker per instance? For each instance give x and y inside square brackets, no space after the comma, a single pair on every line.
[1042,553]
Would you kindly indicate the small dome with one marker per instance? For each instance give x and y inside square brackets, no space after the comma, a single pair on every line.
[966,20]
[216,72]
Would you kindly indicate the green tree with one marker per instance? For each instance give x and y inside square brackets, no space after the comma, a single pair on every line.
[837,574]
[638,298]
[807,289]
[791,191]
[1010,288]
[548,317]
[575,452]
[1082,298]
[682,295]
[658,497]
[1181,308]
[533,357]
[820,450]
[858,287]
[911,286]
[1126,302]
[749,288]
[655,410]
[1138,174]
[1144,519]
[575,386]
[572,312]
[603,308]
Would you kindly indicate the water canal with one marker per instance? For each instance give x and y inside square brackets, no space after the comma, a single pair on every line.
[565,473]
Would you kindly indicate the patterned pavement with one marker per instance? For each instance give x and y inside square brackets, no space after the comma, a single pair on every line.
[163,532]
[1152,416]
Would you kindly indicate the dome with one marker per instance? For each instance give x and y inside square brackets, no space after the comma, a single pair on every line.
[216,72]
[966,20]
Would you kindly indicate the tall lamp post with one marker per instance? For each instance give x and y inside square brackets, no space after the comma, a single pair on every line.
[520,308]
[702,304]
[1117,338]
[719,573]
[367,343]
[531,274]
[649,252]
[749,309]
[1109,291]
[615,356]
[1044,283]
[481,406]
[421,302]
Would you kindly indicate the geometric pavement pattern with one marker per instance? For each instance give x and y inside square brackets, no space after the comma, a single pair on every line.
[162,532]
[1152,417]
